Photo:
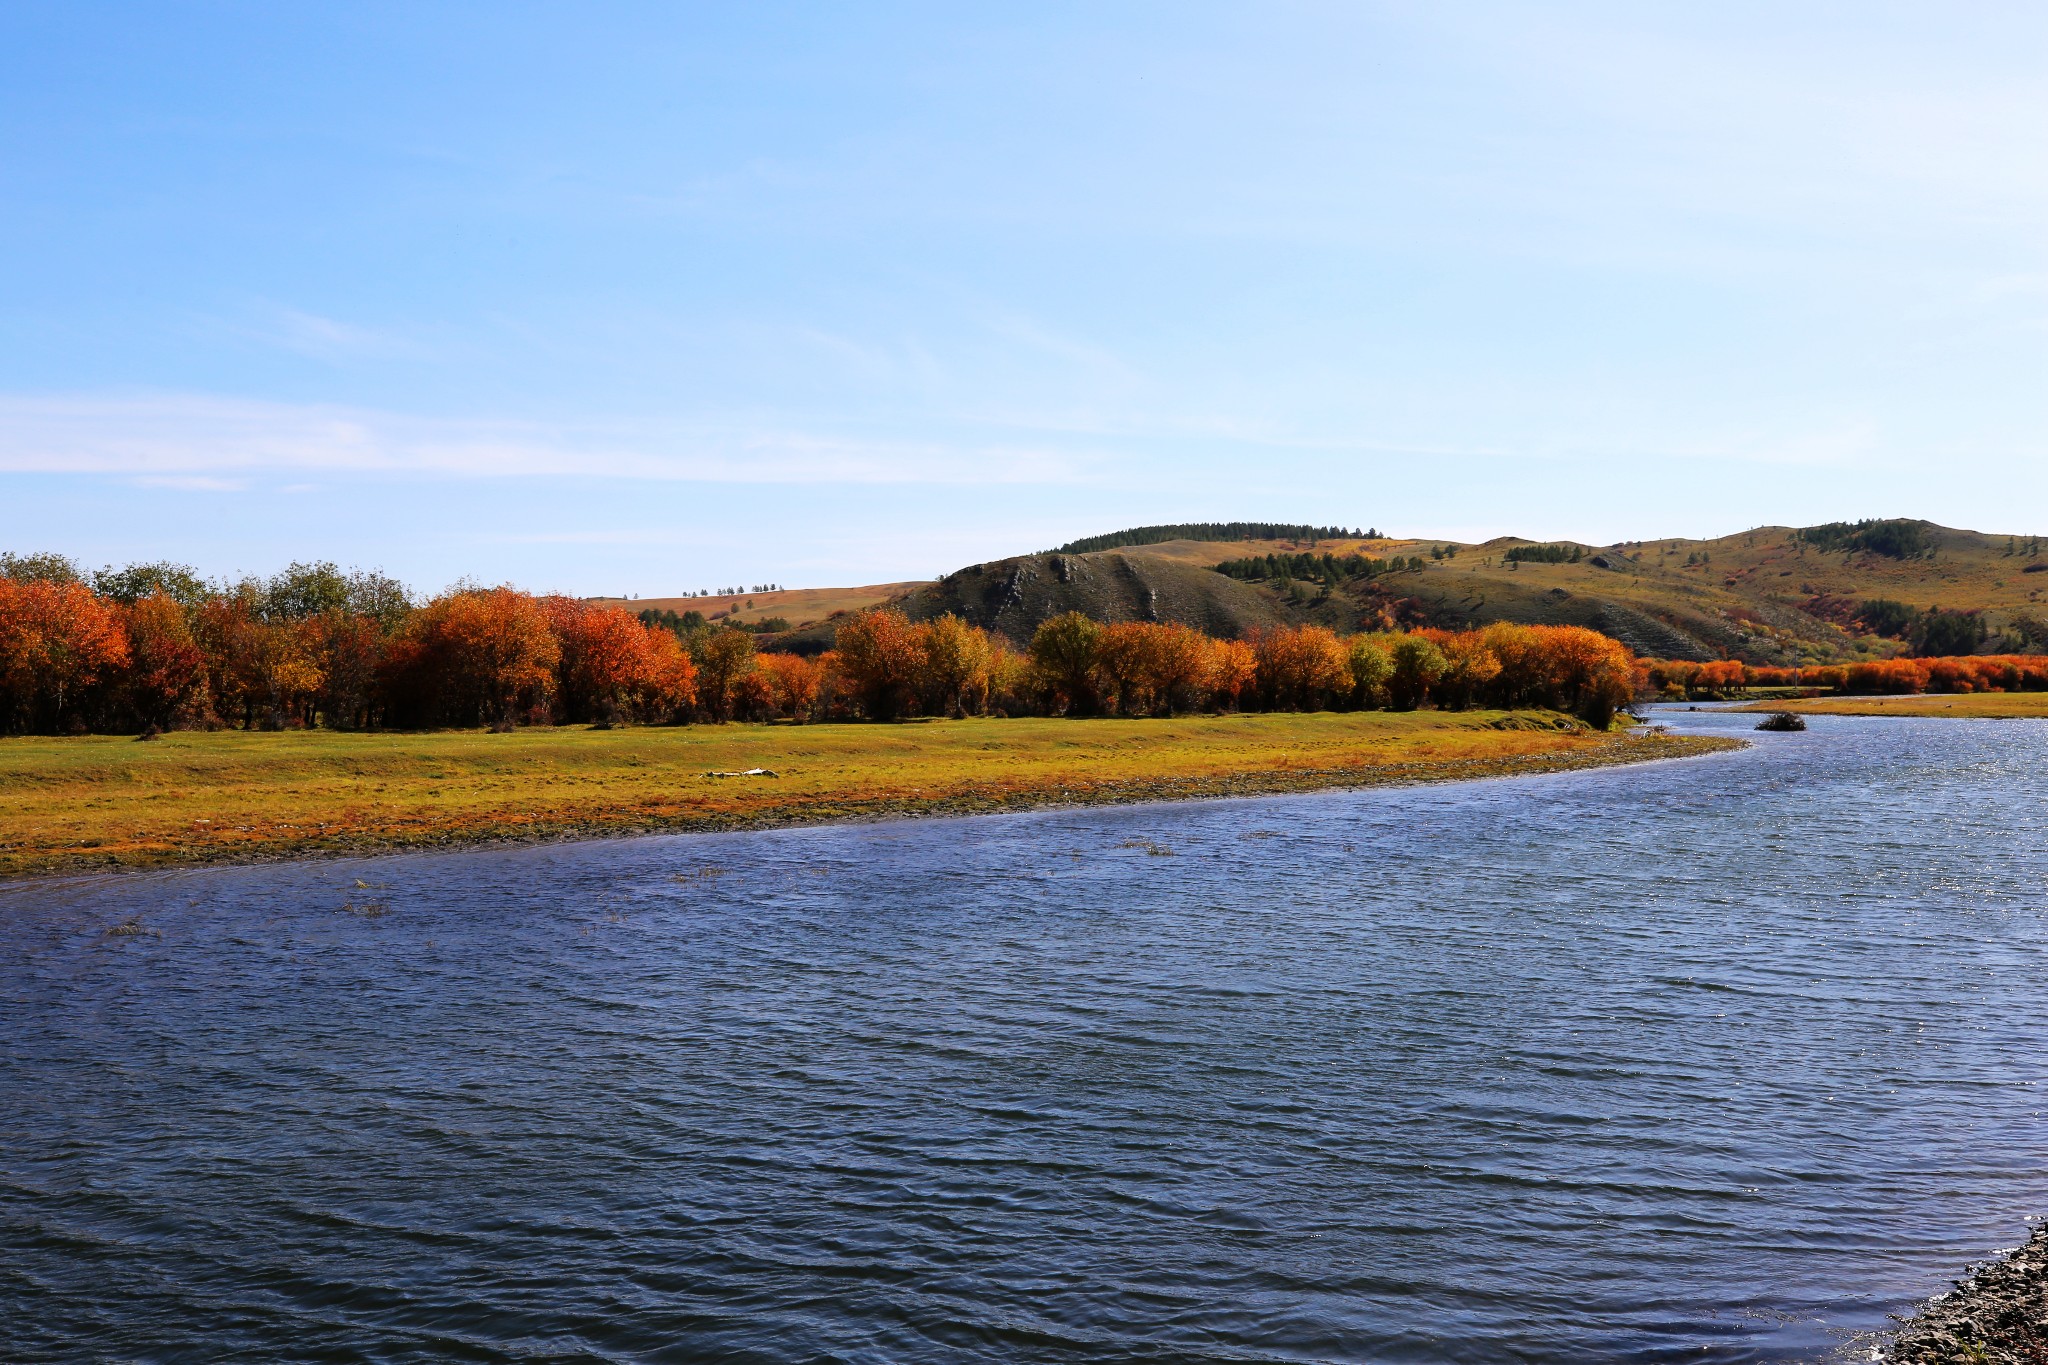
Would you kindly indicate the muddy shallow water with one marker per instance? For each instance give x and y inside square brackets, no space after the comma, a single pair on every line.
[1713,1060]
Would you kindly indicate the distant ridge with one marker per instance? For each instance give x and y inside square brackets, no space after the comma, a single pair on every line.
[1208,530]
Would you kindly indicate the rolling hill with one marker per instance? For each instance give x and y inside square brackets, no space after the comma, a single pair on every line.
[1774,594]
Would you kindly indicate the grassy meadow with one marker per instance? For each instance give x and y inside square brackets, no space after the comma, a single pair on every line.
[78,804]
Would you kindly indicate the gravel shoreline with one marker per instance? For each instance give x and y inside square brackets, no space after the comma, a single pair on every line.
[1610,752]
[1997,1316]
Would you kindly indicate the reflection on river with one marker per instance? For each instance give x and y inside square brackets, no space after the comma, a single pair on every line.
[1710,1060]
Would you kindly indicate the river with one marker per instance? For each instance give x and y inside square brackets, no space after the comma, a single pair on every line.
[1714,1060]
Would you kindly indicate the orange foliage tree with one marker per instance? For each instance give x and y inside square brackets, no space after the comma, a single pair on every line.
[1232,672]
[1124,666]
[347,649]
[668,691]
[474,656]
[605,659]
[879,656]
[166,668]
[1300,668]
[796,681]
[1181,667]
[56,641]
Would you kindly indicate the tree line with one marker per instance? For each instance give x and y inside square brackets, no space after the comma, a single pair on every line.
[1893,538]
[1313,568]
[1683,679]
[1544,554]
[1210,530]
[147,650]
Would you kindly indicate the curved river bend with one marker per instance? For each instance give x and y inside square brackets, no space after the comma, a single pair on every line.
[1719,1060]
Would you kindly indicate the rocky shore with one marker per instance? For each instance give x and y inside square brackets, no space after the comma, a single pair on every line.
[1997,1316]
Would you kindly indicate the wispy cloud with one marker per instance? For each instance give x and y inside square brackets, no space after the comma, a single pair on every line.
[192,483]
[330,338]
[187,437]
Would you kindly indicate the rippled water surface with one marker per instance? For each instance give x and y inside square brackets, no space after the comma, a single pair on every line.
[1714,1060]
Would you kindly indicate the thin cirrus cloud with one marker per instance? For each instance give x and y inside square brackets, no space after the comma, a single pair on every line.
[208,443]
[326,338]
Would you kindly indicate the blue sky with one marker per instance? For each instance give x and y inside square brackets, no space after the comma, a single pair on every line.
[609,298]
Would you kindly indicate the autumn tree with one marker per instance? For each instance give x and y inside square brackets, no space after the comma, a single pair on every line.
[1231,673]
[1063,653]
[605,659]
[347,650]
[1010,679]
[668,691]
[264,672]
[1591,672]
[290,673]
[1524,676]
[1300,668]
[227,631]
[166,671]
[954,659]
[1124,666]
[1180,668]
[475,656]
[755,696]
[1469,668]
[56,641]
[724,657]
[796,680]
[881,657]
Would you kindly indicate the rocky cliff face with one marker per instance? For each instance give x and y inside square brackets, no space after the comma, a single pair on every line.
[1014,596]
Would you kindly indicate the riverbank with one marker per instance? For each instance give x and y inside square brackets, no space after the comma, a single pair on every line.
[1960,705]
[97,802]
[1998,1316]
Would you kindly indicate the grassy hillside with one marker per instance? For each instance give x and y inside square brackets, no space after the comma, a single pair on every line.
[799,606]
[1773,595]
[1770,595]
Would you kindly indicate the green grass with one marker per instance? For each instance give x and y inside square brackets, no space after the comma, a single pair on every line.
[73,804]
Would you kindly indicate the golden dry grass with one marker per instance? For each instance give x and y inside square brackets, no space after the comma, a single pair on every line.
[1969,705]
[76,804]
[799,606]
